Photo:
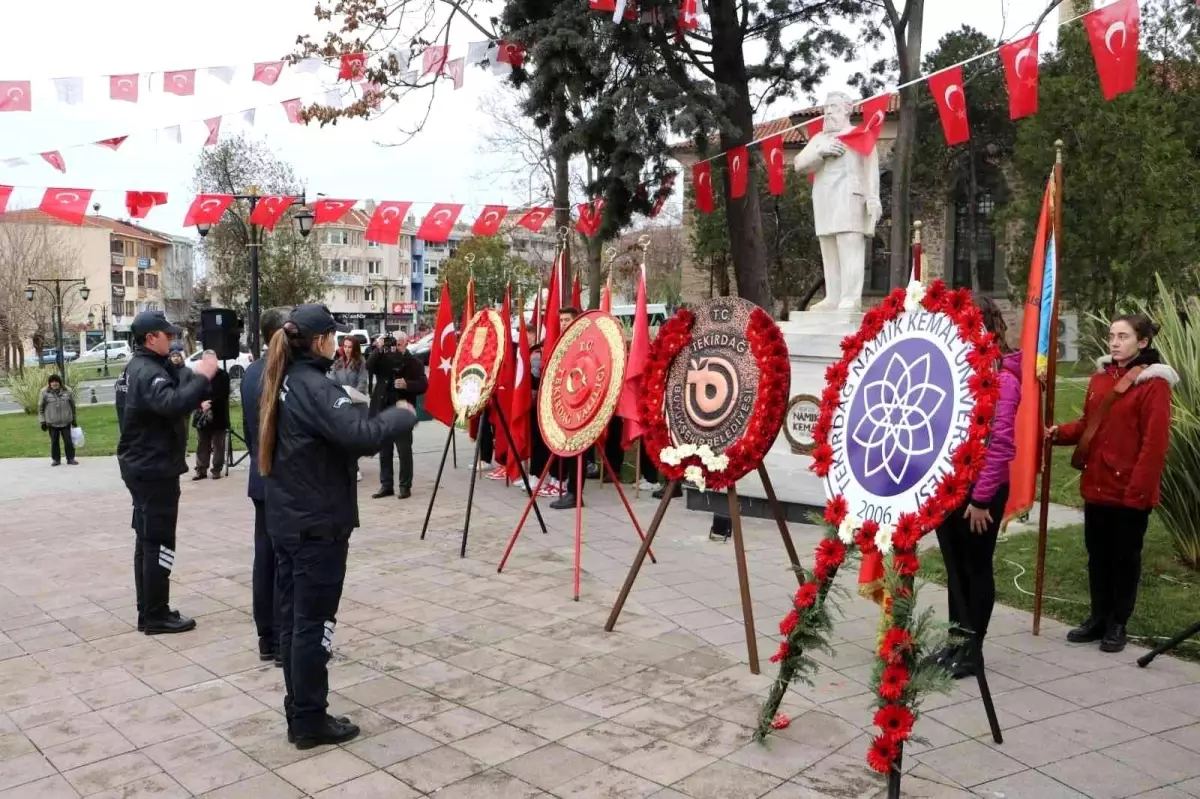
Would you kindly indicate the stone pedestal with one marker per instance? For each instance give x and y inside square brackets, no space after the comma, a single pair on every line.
[814,342]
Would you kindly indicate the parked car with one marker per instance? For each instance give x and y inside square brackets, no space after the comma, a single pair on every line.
[117,351]
[422,348]
[235,368]
[51,356]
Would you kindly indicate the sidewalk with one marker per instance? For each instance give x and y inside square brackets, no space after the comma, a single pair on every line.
[477,684]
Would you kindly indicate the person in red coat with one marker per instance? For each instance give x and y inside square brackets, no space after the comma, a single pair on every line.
[1120,444]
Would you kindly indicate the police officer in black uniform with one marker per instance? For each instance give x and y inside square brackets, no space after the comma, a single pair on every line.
[154,398]
[310,439]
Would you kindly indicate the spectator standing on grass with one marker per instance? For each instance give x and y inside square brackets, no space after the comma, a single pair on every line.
[211,421]
[56,412]
[1120,445]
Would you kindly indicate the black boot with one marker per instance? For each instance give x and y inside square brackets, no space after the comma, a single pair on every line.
[267,649]
[1091,630]
[1114,639]
[383,492]
[292,735]
[173,622]
[965,661]
[944,656]
[404,493]
[564,502]
[141,625]
[331,732]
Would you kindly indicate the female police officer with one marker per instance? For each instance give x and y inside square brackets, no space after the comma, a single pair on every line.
[310,438]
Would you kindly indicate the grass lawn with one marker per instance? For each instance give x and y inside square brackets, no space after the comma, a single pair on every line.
[21,436]
[1064,480]
[1166,600]
[77,372]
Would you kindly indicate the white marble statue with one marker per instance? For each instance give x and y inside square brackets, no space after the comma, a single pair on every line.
[846,205]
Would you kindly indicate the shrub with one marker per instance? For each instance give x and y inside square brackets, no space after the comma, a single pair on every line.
[26,388]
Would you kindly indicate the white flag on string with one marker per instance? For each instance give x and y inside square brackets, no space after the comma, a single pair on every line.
[173,133]
[248,116]
[15,162]
[333,99]
[481,53]
[402,55]
[410,78]
[223,74]
[308,66]
[70,90]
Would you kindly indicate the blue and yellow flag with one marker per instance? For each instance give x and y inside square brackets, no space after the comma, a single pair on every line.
[1049,297]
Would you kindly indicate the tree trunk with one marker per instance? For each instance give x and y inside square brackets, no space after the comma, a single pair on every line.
[562,207]
[743,216]
[908,49]
[595,253]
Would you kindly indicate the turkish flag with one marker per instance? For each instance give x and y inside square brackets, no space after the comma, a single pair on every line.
[489,219]
[326,211]
[552,327]
[1113,31]
[1020,59]
[602,5]
[69,205]
[292,109]
[863,136]
[947,89]
[511,53]
[702,185]
[501,400]
[112,143]
[353,66]
[590,215]
[535,218]
[269,210]
[438,223]
[5,193]
[207,209]
[663,194]
[214,131]
[182,83]
[576,294]
[15,95]
[54,158]
[687,15]
[385,223]
[737,160]
[139,203]
[434,58]
[537,313]
[441,358]
[454,69]
[772,150]
[630,400]
[521,404]
[267,72]
[123,87]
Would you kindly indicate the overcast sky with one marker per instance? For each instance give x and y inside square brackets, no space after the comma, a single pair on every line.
[93,39]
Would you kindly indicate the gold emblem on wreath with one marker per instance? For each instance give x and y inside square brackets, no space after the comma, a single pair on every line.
[581,383]
[475,370]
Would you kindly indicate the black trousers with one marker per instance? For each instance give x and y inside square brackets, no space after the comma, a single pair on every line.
[1114,536]
[63,433]
[264,591]
[310,571]
[486,438]
[539,453]
[155,514]
[612,445]
[970,573]
[402,445]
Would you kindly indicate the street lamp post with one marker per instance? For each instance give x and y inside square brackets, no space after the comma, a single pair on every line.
[386,283]
[91,318]
[304,223]
[57,287]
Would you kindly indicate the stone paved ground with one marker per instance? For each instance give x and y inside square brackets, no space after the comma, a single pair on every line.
[472,684]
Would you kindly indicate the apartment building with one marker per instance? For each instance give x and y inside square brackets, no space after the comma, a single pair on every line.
[369,284]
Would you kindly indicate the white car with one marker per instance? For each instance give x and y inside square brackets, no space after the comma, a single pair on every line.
[235,368]
[117,351]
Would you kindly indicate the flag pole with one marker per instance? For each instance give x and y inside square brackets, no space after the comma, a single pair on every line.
[1051,377]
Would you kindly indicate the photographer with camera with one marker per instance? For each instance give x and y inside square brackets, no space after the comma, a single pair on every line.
[398,375]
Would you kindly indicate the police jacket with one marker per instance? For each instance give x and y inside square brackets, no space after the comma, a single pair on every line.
[319,436]
[154,398]
[251,387]
[386,367]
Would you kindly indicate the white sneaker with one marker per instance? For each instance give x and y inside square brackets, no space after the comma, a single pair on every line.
[646,485]
[360,475]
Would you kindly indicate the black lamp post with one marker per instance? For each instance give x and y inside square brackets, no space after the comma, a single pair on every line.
[57,287]
[91,319]
[304,223]
[386,283]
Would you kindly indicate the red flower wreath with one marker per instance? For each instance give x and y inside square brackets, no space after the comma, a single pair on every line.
[766,418]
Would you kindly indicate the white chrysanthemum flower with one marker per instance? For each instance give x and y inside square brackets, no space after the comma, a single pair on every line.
[849,526]
[670,456]
[686,450]
[695,475]
[913,296]
[883,539]
[718,463]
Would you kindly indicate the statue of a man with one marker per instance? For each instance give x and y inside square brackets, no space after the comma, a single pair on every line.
[846,205]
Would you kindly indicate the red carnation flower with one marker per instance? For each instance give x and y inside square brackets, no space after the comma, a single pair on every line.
[823,427]
[806,595]
[908,531]
[780,722]
[852,346]
[893,681]
[881,754]
[906,563]
[781,654]
[836,373]
[969,456]
[896,721]
[893,304]
[789,623]
[836,510]
[935,296]
[895,645]
[832,551]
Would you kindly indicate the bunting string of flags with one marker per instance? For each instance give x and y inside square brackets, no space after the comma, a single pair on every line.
[1113,32]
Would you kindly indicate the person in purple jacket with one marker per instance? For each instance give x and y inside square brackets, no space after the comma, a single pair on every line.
[967,537]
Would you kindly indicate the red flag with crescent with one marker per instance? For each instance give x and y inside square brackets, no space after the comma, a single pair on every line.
[441,358]
[863,136]
[139,203]
[15,95]
[114,143]
[489,219]
[1113,31]
[1020,59]
[737,159]
[702,186]
[123,87]
[687,15]
[535,218]
[269,210]
[553,303]
[267,72]
[327,211]
[182,83]
[292,109]
[434,58]
[590,215]
[772,150]
[385,223]
[54,158]
[522,399]
[5,193]
[511,53]
[207,209]
[947,89]
[353,66]
[438,223]
[214,131]
[630,400]
[602,5]
[69,205]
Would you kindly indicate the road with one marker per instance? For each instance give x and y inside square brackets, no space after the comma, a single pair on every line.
[103,389]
